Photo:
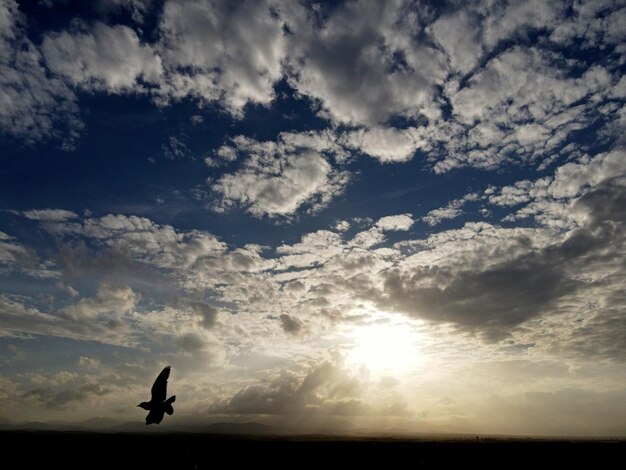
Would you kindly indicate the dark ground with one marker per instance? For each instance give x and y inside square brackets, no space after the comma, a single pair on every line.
[182,451]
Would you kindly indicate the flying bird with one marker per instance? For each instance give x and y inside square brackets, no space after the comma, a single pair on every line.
[158,405]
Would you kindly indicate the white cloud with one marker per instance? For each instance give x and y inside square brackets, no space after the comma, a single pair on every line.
[401,222]
[105,58]
[33,106]
[221,52]
[13,252]
[97,319]
[523,105]
[222,156]
[515,19]
[362,64]
[449,211]
[51,215]
[276,181]
[513,195]
[342,225]
[596,23]
[160,245]
[459,35]
[548,199]
[18,257]
[385,144]
[110,302]
[570,179]
[314,248]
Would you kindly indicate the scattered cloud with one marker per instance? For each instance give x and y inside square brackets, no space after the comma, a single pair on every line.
[103,58]
[449,211]
[402,222]
[50,215]
[276,181]
[243,62]
[34,106]
[291,325]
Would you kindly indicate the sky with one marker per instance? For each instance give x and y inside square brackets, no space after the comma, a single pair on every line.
[391,216]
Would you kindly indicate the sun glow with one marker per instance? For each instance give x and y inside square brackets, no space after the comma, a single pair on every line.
[385,348]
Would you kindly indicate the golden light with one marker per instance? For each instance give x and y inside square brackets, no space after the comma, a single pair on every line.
[385,347]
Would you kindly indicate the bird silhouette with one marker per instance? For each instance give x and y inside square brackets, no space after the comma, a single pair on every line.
[158,405]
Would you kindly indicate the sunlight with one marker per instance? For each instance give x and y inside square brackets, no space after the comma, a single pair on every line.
[385,348]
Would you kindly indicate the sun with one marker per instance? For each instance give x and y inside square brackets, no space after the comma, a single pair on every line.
[385,347]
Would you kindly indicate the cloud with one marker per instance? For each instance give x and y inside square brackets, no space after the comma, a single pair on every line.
[386,144]
[89,362]
[113,316]
[464,86]
[401,222]
[512,20]
[34,106]
[275,181]
[342,225]
[175,148]
[15,256]
[548,198]
[575,410]
[222,156]
[291,325]
[109,302]
[104,58]
[481,278]
[327,389]
[361,63]
[491,300]
[521,105]
[525,281]
[102,318]
[313,248]
[207,314]
[459,35]
[191,342]
[595,24]
[449,211]
[50,215]
[151,243]
[12,251]
[244,58]
[50,399]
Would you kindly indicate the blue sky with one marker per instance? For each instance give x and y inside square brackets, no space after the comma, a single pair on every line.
[399,215]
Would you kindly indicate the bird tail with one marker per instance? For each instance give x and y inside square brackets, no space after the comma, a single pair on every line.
[169,409]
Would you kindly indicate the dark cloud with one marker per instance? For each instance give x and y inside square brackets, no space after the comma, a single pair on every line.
[191,342]
[493,300]
[14,253]
[51,399]
[290,325]
[326,389]
[105,318]
[606,202]
[77,259]
[207,314]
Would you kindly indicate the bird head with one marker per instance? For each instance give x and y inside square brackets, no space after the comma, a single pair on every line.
[144,404]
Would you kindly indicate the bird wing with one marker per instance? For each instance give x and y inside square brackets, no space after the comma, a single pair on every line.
[159,389]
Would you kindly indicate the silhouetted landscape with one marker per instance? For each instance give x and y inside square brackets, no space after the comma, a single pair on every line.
[79,449]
